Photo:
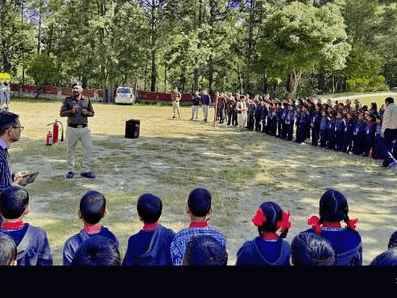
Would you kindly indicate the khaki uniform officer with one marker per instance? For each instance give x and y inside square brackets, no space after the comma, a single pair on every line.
[176,97]
[78,108]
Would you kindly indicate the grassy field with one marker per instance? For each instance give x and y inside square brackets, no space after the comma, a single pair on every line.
[171,157]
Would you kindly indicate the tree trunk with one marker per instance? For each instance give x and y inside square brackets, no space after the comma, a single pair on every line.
[294,82]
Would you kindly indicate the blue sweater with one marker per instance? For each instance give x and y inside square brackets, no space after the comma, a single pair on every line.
[259,252]
[346,243]
[33,248]
[74,242]
[150,248]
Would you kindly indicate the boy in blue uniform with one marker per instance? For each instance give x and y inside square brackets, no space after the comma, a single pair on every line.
[358,135]
[33,248]
[339,132]
[92,210]
[289,123]
[331,130]
[315,125]
[345,241]
[304,124]
[269,248]
[324,129]
[378,136]
[151,245]
[369,137]
[199,209]
[348,137]
[282,119]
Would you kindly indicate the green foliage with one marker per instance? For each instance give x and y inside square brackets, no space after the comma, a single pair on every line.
[367,84]
[43,70]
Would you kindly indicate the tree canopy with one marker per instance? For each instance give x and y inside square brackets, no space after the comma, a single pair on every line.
[282,47]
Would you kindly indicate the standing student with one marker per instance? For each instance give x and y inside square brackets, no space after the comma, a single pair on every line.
[378,137]
[358,135]
[304,124]
[92,210]
[345,241]
[205,101]
[315,125]
[282,120]
[199,210]
[151,245]
[78,108]
[331,130]
[349,129]
[369,136]
[340,126]
[324,129]
[33,248]
[269,248]
[289,123]
[298,127]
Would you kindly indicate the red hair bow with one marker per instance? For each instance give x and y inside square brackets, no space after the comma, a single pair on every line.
[314,222]
[284,223]
[259,218]
[351,223]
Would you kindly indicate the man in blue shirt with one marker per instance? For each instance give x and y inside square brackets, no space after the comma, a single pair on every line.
[205,100]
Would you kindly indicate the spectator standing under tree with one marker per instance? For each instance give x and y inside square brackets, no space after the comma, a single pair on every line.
[195,105]
[205,100]
[176,97]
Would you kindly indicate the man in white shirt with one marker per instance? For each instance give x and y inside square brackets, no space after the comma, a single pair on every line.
[389,134]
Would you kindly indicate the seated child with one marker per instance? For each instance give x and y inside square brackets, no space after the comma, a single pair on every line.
[268,249]
[32,243]
[8,251]
[204,250]
[199,209]
[151,245]
[92,210]
[97,251]
[345,241]
[387,258]
[308,249]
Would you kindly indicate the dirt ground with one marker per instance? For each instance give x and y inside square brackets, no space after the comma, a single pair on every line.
[172,157]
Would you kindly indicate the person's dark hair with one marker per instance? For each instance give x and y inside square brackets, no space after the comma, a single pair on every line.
[97,251]
[149,207]
[92,207]
[7,119]
[273,214]
[389,100]
[8,250]
[199,202]
[204,250]
[387,258]
[392,241]
[13,201]
[308,249]
[333,207]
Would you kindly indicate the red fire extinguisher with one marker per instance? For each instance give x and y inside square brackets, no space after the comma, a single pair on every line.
[49,140]
[55,132]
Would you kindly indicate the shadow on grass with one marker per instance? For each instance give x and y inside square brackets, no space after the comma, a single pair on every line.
[240,169]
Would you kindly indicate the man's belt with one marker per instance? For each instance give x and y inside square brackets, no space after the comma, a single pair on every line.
[77,125]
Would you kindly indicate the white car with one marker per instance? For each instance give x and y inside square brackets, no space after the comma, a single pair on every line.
[125,95]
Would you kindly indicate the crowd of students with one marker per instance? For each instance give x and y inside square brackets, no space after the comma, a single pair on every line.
[341,127]
[326,242]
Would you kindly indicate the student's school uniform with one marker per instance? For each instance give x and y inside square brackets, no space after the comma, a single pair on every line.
[178,244]
[258,115]
[33,248]
[304,123]
[331,134]
[346,243]
[283,126]
[369,138]
[378,136]
[261,252]
[269,121]
[74,242]
[298,127]
[289,123]
[315,120]
[358,137]
[150,247]
[279,122]
[324,131]
[340,126]
[348,137]
[264,114]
